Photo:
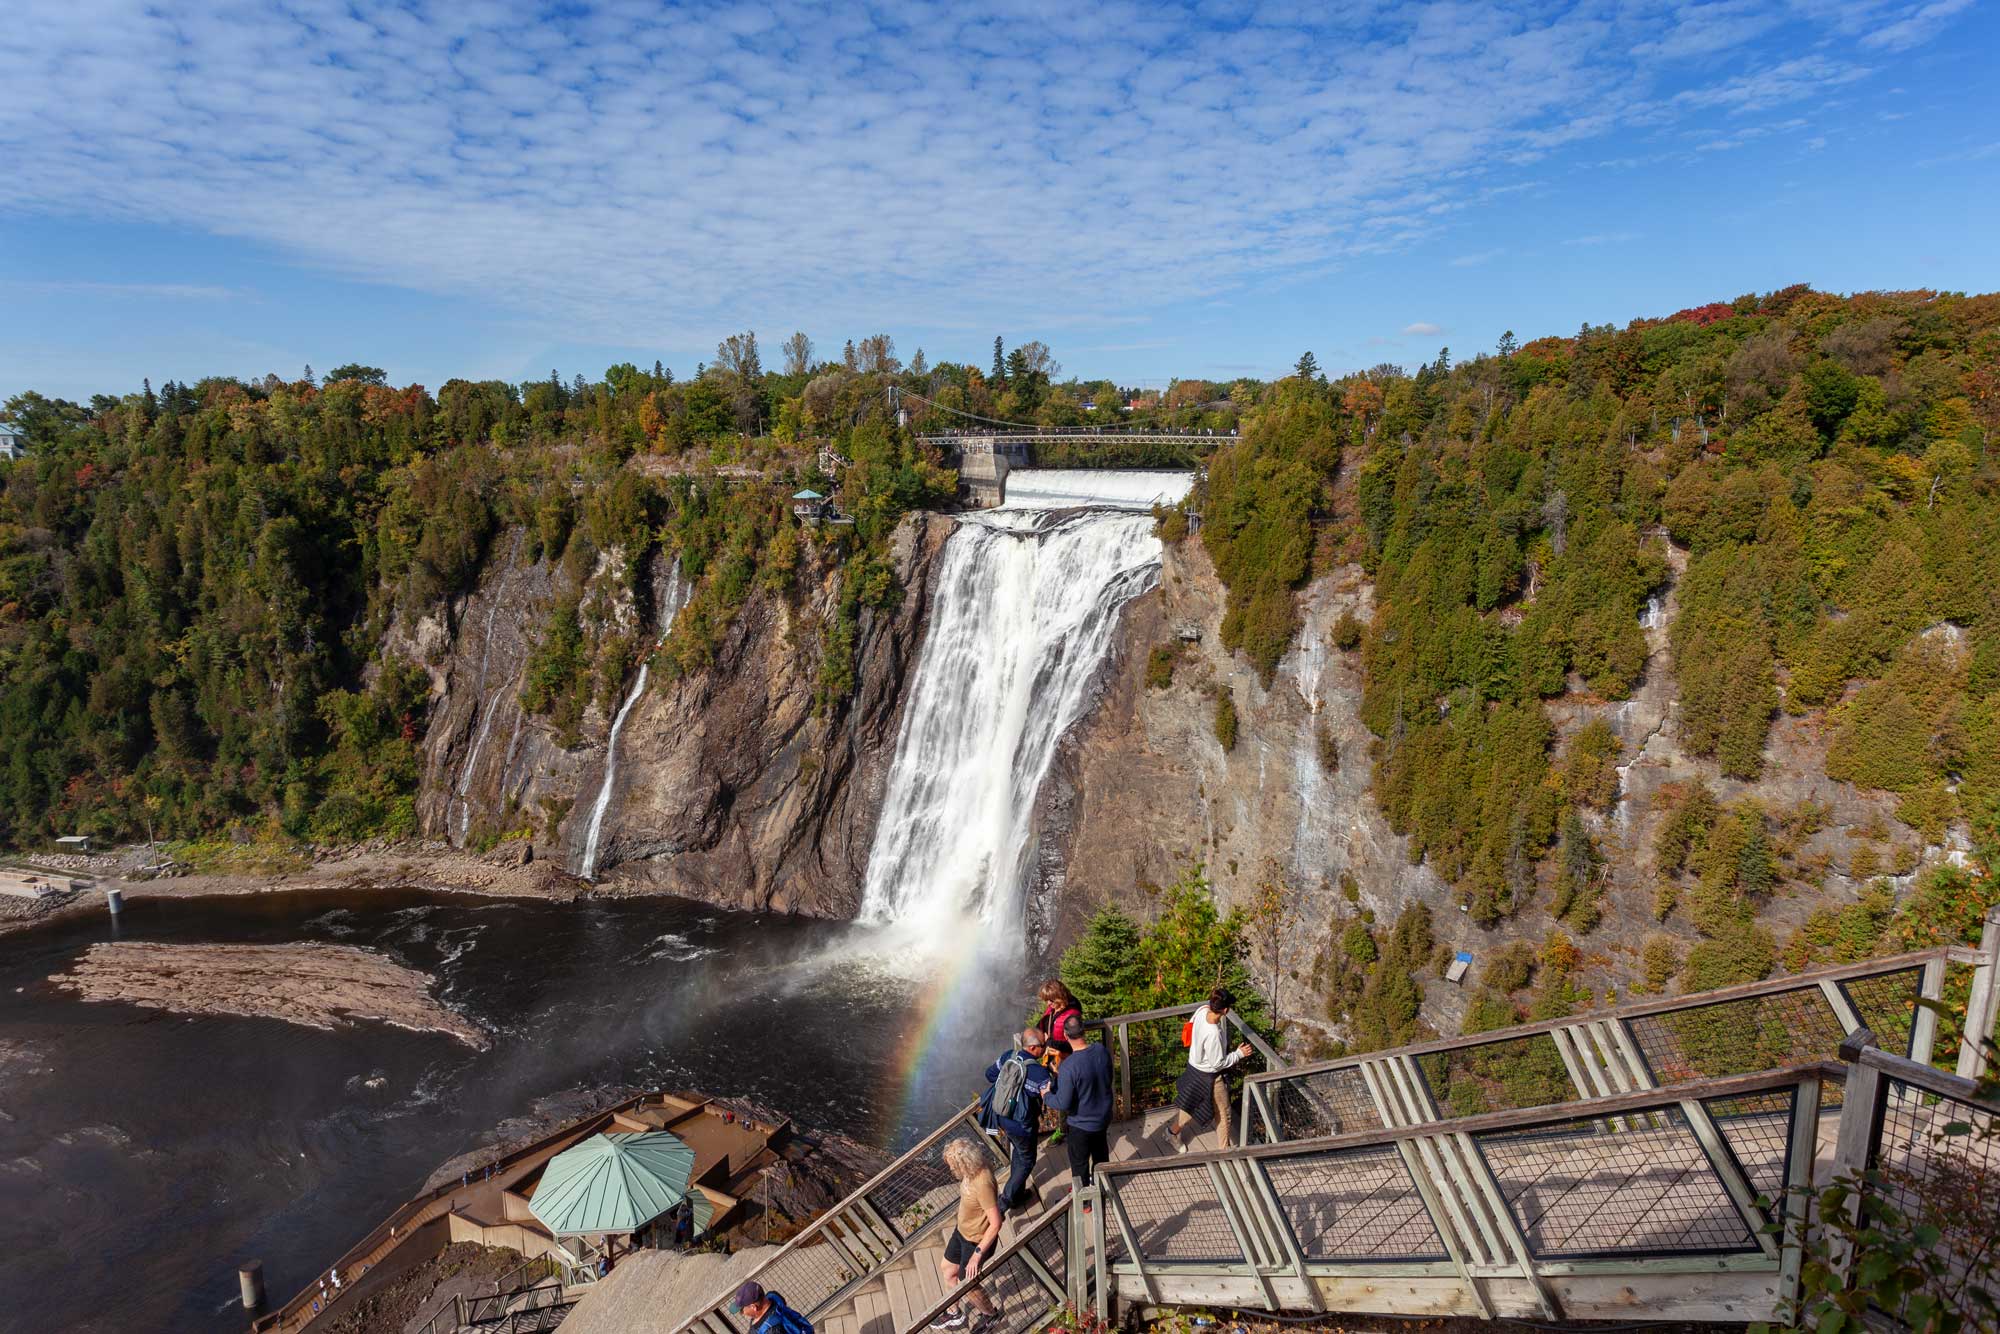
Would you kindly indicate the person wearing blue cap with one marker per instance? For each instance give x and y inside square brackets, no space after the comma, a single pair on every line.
[767,1312]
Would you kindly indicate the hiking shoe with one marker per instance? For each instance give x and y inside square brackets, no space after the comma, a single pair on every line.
[949,1320]
[1056,1137]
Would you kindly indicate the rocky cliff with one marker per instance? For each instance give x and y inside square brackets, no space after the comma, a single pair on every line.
[729,787]
[1145,784]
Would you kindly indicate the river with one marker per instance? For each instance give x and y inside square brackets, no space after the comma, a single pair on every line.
[144,1155]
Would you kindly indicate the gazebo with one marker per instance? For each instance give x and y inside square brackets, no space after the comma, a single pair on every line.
[616,1184]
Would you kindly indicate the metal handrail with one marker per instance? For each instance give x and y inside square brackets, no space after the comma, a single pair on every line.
[1048,1218]
[824,1221]
[1634,1010]
[1512,1119]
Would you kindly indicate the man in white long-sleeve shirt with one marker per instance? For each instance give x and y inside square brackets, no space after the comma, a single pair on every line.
[1203,1094]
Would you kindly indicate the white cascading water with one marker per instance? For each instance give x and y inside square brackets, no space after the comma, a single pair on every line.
[1025,605]
[674,599]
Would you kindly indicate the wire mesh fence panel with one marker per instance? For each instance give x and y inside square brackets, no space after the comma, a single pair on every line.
[1321,1103]
[1887,1004]
[918,1190]
[1175,1214]
[1022,1290]
[807,1275]
[1937,1165]
[1739,1036]
[1593,1187]
[1757,1127]
[1354,1204]
[1498,1076]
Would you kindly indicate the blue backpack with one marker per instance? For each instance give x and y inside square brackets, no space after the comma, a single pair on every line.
[782,1319]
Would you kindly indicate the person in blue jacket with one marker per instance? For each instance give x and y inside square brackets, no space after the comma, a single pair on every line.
[1022,1120]
[767,1312]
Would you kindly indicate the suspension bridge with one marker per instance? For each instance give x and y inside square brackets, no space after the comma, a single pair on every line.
[1650,1162]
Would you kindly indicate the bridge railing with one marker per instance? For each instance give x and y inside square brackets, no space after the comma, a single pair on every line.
[1920,1151]
[1574,1211]
[1661,1043]
[898,1209]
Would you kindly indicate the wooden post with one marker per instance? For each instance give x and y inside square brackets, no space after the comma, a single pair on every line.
[1979,1010]
[1125,1068]
[1860,1121]
[1923,1028]
[1799,1185]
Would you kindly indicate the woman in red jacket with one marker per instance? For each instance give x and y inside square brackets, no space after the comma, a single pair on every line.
[1058,1003]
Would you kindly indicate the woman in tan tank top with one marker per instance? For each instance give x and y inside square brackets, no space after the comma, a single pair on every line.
[975,1233]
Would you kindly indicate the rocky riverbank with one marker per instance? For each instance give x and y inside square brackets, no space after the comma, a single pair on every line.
[315,985]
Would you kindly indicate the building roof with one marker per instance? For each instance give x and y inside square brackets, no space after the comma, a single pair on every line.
[617,1183]
[808,495]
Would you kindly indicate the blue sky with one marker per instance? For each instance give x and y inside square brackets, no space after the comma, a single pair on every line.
[490,189]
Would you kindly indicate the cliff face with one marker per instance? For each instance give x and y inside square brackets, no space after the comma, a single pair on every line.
[726,789]
[1144,784]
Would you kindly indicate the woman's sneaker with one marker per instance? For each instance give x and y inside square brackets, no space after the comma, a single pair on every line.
[949,1320]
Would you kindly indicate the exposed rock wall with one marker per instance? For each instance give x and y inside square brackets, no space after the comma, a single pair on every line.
[729,789]
[1145,783]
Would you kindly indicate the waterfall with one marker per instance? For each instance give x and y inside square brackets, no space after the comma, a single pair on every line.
[480,702]
[672,600]
[587,866]
[1021,617]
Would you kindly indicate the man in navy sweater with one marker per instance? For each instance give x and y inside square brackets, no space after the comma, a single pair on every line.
[1083,1091]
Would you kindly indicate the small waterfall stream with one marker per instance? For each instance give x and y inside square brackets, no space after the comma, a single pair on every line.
[463,786]
[1025,605]
[672,599]
[587,865]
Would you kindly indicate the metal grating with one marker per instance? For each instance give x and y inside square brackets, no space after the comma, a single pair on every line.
[1593,1187]
[1925,1176]
[1322,1103]
[1354,1204]
[1757,1127]
[1175,1215]
[1506,1075]
[807,1276]
[915,1193]
[1020,1292]
[1738,1037]
[1887,1004]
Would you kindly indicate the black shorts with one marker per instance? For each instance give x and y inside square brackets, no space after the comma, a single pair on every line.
[959,1251]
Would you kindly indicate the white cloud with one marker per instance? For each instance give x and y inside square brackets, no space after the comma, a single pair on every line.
[1422,329]
[643,174]
[1477,258]
[1602,238]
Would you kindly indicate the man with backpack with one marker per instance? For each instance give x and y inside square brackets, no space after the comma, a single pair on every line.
[767,1312]
[1017,1083]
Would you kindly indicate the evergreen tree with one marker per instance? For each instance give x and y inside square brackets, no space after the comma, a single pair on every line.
[1307,367]
[1104,967]
[999,375]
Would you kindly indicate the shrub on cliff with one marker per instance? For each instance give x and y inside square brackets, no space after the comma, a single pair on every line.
[1225,717]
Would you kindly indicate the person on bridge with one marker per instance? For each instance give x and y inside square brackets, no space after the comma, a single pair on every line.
[1016,1103]
[767,1312]
[1083,1090]
[976,1234]
[1202,1096]
[1058,1004]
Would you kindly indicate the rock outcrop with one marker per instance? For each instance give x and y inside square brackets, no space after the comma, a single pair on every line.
[731,788]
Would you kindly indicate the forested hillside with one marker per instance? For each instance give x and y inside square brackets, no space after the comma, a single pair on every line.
[1825,470]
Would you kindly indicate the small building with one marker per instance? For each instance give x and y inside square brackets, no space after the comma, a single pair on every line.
[1461,964]
[808,506]
[13,444]
[78,844]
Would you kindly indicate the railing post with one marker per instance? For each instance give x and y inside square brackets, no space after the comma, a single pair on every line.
[1979,1010]
[1803,1148]
[1860,1124]
[1125,1068]
[1923,1028]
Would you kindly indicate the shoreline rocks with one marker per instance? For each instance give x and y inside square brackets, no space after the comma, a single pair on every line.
[314,985]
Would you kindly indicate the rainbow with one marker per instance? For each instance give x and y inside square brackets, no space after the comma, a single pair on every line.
[952,1010]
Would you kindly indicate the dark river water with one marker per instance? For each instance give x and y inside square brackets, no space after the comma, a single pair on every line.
[144,1155]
